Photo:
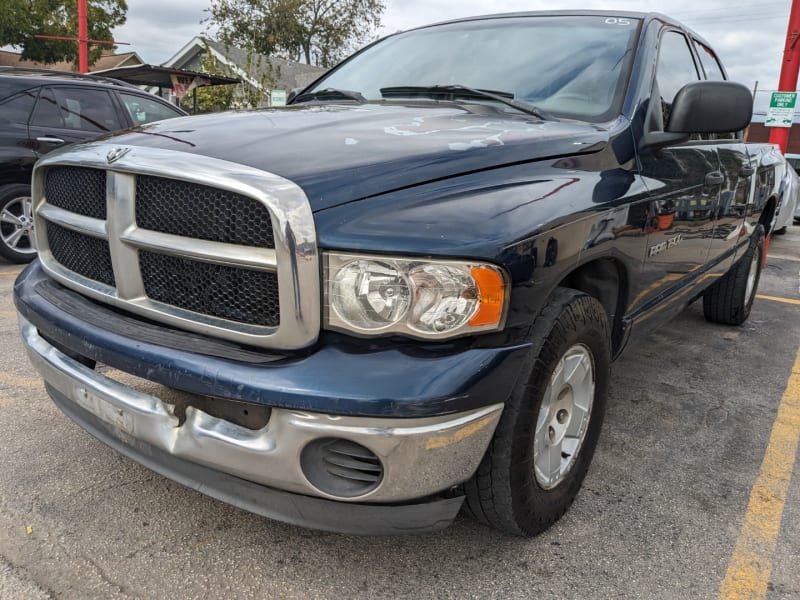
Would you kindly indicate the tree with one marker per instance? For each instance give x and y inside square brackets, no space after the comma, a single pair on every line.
[21,20]
[321,32]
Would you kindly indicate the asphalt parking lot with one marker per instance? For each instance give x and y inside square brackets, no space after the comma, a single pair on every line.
[691,493]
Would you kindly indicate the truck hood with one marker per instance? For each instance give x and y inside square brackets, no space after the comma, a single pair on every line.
[339,154]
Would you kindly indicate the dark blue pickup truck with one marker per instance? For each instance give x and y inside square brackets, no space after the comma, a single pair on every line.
[401,294]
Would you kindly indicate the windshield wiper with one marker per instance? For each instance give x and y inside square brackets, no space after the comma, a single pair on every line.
[450,92]
[330,94]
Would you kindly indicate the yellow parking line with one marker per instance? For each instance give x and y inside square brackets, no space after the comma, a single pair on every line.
[777,299]
[751,563]
[10,273]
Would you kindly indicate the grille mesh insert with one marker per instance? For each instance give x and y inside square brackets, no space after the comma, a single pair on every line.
[77,189]
[86,255]
[241,295]
[199,211]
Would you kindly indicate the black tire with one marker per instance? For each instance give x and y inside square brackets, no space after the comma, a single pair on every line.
[728,301]
[20,249]
[780,231]
[505,492]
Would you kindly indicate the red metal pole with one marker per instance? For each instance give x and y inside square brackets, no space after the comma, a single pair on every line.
[789,69]
[83,38]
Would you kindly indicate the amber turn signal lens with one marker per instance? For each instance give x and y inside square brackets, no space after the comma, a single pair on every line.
[492,290]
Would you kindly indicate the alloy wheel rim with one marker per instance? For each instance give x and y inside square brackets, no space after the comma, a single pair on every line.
[16,225]
[564,415]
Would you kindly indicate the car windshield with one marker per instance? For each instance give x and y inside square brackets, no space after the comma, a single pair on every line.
[569,66]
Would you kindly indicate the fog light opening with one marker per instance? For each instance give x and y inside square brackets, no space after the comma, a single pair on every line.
[341,468]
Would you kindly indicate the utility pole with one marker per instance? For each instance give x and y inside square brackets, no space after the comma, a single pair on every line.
[789,70]
[83,37]
[747,129]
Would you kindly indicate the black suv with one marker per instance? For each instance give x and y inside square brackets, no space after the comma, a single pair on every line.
[41,110]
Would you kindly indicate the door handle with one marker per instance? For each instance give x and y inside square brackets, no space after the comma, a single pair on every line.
[746,171]
[715,178]
[50,140]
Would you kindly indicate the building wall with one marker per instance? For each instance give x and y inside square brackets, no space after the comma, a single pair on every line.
[759,133]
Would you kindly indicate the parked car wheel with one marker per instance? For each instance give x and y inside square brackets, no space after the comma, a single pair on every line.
[730,299]
[16,224]
[539,456]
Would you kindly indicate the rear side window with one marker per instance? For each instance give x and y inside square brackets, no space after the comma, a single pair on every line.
[144,110]
[710,63]
[18,109]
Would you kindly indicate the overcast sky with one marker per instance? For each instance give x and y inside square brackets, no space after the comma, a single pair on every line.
[749,37]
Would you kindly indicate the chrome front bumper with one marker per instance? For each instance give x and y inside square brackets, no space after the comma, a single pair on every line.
[420,456]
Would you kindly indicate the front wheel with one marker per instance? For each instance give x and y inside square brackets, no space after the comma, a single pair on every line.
[540,454]
[730,299]
[16,224]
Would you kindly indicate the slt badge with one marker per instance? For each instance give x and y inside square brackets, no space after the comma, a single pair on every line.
[115,154]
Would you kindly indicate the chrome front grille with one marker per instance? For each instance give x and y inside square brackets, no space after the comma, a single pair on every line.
[224,250]
[212,289]
[62,182]
[201,211]
[85,255]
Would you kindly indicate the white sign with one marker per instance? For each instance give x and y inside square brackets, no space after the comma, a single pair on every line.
[781,109]
[277,98]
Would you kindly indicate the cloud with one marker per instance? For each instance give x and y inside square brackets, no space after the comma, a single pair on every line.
[157,29]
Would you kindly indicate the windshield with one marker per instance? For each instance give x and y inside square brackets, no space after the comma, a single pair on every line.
[569,66]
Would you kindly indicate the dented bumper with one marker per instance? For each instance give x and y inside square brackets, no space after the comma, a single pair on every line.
[420,457]
[418,460]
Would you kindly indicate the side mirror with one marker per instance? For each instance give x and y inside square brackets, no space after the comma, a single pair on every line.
[293,94]
[704,107]
[711,107]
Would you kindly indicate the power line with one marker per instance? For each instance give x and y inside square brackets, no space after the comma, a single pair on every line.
[729,9]
[736,19]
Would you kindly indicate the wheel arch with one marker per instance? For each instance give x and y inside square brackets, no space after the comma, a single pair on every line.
[767,218]
[607,280]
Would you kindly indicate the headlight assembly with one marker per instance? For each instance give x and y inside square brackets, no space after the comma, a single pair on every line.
[378,295]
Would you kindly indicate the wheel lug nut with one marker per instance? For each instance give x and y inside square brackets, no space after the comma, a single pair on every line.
[561,416]
[551,433]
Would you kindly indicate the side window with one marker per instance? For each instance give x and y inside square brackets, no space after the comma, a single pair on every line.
[87,109]
[18,109]
[675,69]
[46,113]
[144,110]
[710,63]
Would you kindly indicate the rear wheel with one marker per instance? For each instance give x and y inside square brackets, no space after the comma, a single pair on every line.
[730,299]
[541,451]
[16,224]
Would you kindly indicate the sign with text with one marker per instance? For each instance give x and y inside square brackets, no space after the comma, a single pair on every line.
[781,109]
[278,98]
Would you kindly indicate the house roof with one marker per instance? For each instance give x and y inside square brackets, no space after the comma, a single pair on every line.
[108,60]
[155,76]
[290,74]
